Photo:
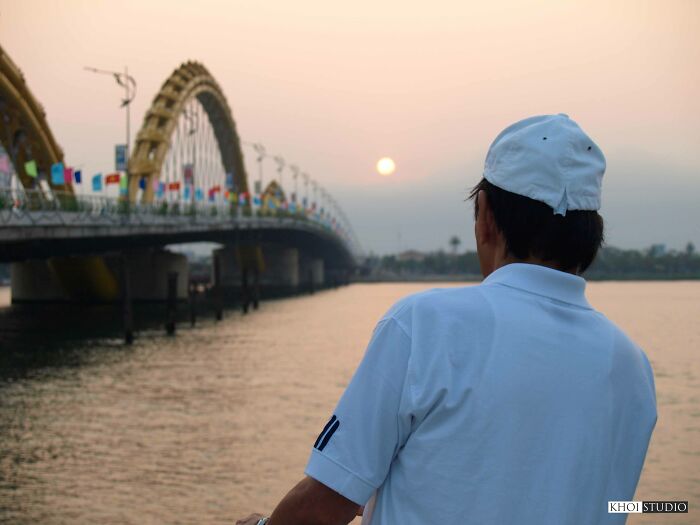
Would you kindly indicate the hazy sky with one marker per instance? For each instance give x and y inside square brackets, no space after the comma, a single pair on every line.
[335,86]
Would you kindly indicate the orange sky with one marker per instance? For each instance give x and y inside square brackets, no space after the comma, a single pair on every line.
[334,86]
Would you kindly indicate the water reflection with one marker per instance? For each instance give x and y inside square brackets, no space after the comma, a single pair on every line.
[219,420]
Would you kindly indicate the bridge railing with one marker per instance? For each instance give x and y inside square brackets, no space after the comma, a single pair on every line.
[34,207]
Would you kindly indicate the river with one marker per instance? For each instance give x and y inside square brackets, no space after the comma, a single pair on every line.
[218,421]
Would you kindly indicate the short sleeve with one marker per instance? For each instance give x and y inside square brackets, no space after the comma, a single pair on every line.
[353,453]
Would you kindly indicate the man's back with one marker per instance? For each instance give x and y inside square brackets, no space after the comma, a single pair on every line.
[508,402]
[514,401]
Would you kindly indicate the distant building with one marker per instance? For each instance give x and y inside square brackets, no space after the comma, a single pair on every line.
[411,255]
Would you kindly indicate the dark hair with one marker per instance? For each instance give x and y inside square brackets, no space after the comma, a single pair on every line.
[530,228]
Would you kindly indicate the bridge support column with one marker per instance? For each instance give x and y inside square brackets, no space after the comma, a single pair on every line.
[127,306]
[312,270]
[149,272]
[281,274]
[227,276]
[35,281]
[318,277]
[171,304]
[84,279]
[218,288]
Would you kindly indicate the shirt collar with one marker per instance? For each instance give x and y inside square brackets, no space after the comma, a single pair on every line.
[542,280]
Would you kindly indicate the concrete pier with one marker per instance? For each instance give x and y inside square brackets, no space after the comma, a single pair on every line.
[312,273]
[97,279]
[250,272]
[35,281]
[281,273]
[149,274]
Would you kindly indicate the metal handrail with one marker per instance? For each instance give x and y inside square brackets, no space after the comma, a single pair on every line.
[21,207]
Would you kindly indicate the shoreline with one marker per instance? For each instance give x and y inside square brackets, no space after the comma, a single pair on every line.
[470,278]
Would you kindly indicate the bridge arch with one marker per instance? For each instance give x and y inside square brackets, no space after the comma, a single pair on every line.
[190,82]
[24,130]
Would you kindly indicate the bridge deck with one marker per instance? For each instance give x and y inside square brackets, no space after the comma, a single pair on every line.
[31,233]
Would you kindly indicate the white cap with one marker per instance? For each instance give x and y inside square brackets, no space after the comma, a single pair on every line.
[550,159]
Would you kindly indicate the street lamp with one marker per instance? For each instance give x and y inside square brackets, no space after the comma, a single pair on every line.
[314,185]
[129,84]
[324,202]
[280,168]
[260,150]
[305,176]
[320,202]
[295,174]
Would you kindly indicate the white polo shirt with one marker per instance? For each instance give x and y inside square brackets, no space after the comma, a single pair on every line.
[508,402]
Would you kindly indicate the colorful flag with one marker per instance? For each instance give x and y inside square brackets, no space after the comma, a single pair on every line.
[256,199]
[4,163]
[78,176]
[30,169]
[187,192]
[241,198]
[57,173]
[215,189]
[160,188]
[199,194]
[120,157]
[174,186]
[112,178]
[67,175]
[156,185]
[188,173]
[142,183]
[96,182]
[123,183]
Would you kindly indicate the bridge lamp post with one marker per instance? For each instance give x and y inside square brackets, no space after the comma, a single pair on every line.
[129,84]
[192,118]
[305,176]
[334,207]
[260,150]
[279,160]
[331,213]
[324,203]
[295,174]
[314,185]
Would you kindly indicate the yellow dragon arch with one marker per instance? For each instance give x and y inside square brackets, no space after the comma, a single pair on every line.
[24,131]
[190,80]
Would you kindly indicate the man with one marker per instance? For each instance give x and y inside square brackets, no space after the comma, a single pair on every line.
[513,401]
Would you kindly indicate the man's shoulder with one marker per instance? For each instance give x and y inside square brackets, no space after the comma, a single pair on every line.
[627,347]
[436,302]
[627,355]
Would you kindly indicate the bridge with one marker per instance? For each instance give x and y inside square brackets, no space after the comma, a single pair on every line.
[185,182]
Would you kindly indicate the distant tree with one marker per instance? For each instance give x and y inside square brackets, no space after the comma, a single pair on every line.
[454,243]
[689,249]
[656,250]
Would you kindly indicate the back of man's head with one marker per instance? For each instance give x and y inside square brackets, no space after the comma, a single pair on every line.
[542,180]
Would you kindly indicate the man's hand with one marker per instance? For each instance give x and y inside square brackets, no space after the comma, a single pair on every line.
[253,519]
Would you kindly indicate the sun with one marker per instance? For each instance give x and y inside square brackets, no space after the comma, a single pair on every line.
[386,166]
